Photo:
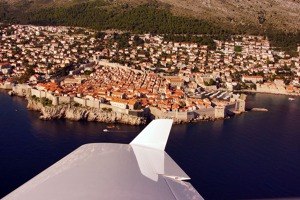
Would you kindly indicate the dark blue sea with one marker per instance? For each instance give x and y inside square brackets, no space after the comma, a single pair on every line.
[253,155]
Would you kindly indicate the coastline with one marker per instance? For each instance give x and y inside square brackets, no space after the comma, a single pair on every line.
[79,113]
[259,92]
[74,113]
[67,111]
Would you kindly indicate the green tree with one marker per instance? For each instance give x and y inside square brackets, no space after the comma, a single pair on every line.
[238,49]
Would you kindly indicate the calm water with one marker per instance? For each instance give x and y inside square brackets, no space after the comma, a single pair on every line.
[254,155]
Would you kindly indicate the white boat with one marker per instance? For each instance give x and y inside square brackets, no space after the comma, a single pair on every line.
[291,99]
[105,130]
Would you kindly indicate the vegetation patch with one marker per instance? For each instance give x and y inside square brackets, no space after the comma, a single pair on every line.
[46,102]
[107,109]
[147,18]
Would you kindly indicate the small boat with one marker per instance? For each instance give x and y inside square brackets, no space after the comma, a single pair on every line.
[105,130]
[113,127]
[291,99]
[260,109]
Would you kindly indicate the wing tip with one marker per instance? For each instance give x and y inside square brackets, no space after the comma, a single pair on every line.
[155,134]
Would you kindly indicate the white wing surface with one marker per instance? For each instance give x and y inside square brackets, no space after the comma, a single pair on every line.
[140,170]
[155,135]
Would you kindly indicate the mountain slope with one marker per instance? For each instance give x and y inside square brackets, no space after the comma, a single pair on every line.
[284,15]
[262,14]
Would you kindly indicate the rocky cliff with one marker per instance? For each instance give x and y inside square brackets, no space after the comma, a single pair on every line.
[276,14]
[83,113]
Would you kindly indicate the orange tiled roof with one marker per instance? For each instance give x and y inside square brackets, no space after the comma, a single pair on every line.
[246,76]
[4,63]
[118,100]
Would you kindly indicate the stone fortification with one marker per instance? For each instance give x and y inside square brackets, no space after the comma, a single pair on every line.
[75,108]
[83,113]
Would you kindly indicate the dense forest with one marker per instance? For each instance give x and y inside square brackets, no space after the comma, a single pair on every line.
[147,18]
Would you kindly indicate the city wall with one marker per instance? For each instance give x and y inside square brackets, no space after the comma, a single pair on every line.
[6,86]
[181,116]
[231,106]
[209,112]
[56,100]
[21,90]
[186,116]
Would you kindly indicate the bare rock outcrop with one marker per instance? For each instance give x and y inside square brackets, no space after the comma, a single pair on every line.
[83,113]
[277,14]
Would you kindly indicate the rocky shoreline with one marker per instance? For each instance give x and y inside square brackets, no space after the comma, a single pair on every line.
[66,111]
[82,113]
[74,113]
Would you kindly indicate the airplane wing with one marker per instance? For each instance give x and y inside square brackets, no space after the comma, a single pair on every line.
[139,170]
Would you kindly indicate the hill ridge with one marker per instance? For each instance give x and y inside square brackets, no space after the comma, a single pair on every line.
[263,14]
